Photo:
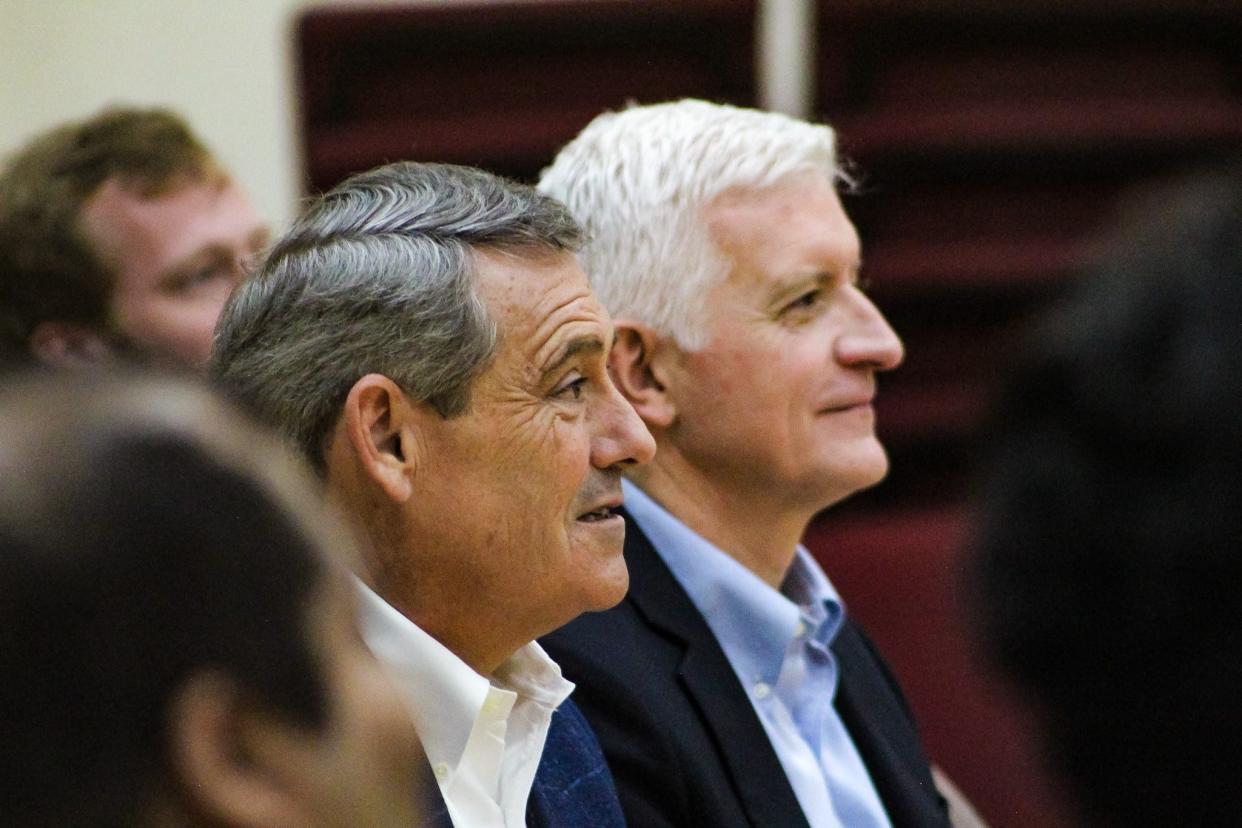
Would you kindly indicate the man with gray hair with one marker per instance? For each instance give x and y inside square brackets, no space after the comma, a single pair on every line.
[730,688]
[427,337]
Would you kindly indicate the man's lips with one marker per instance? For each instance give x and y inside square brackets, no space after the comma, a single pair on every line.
[848,405]
[603,511]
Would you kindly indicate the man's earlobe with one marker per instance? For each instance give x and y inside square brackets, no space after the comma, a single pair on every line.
[377,419]
[638,366]
[215,770]
[60,344]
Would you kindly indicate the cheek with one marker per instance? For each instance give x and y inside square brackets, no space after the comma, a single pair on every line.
[735,384]
[568,457]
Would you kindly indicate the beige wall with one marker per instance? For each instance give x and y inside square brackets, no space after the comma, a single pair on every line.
[221,63]
[224,64]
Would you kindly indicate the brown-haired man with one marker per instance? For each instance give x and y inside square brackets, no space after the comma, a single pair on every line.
[120,235]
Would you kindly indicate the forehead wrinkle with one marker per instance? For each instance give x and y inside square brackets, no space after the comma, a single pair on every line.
[576,311]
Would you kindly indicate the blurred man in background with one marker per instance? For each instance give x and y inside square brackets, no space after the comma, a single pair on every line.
[120,237]
[178,643]
[426,336]
[1109,576]
[730,687]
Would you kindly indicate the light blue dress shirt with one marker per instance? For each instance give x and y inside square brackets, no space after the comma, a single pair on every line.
[778,645]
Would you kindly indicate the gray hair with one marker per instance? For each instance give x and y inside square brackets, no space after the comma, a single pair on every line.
[378,276]
[638,181]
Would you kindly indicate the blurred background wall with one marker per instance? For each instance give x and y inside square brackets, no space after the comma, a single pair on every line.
[224,64]
[227,65]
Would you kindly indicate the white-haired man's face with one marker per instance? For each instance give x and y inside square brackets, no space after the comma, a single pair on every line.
[779,401]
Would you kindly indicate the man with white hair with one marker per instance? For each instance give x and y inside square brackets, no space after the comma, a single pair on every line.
[730,688]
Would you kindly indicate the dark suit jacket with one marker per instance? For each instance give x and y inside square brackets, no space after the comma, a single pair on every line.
[685,745]
[572,788]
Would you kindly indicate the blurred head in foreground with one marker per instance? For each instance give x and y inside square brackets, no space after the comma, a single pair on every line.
[176,644]
[120,236]
[1110,573]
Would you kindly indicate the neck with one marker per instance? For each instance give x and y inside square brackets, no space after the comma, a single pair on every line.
[390,568]
[476,647]
[464,624]
[754,528]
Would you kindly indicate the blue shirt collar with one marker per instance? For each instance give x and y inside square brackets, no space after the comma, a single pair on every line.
[753,622]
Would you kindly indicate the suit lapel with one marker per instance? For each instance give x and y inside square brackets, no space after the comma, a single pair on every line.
[573,786]
[711,684]
[868,704]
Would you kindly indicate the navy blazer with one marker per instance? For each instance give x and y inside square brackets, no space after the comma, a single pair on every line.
[684,743]
[572,787]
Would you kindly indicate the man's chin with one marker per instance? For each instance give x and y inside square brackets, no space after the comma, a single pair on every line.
[603,575]
[610,590]
[838,482]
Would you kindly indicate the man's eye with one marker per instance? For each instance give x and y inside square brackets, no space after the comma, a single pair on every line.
[207,274]
[188,281]
[806,300]
[571,389]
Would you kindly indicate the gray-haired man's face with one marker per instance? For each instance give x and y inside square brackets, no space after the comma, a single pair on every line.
[518,496]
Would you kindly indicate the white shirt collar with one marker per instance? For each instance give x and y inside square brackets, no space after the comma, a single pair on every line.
[483,738]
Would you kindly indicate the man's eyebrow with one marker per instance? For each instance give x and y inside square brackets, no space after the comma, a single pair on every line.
[579,345]
[209,254]
[809,279]
[213,253]
[796,284]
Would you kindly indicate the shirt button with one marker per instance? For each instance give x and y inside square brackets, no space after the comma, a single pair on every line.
[762,690]
[800,630]
[442,771]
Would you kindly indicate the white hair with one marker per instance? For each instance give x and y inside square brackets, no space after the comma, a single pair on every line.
[638,181]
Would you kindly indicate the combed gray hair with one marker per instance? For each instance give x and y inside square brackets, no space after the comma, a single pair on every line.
[638,181]
[378,277]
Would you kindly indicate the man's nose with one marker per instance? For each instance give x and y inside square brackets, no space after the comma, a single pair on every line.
[621,438]
[868,340]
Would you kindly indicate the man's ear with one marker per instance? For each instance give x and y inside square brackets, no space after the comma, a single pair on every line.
[639,366]
[213,761]
[61,344]
[379,425]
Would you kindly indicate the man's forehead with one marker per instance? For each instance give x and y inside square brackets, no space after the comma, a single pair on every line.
[123,222]
[793,197]
[541,304]
[521,288]
[797,225]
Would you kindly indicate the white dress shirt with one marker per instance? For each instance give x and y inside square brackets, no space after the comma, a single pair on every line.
[483,738]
